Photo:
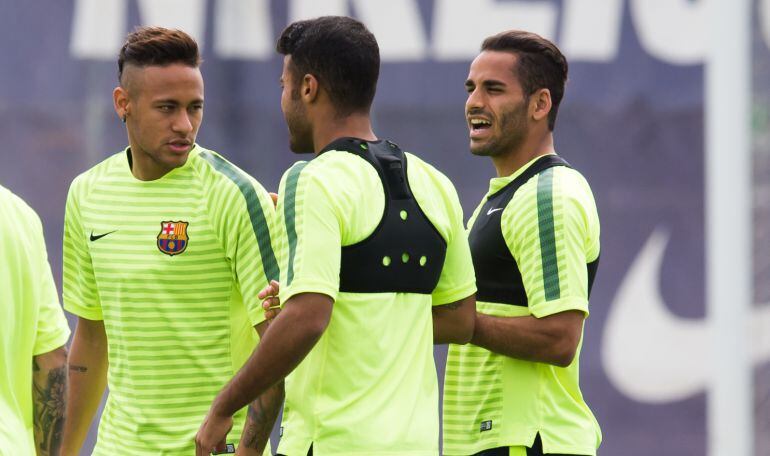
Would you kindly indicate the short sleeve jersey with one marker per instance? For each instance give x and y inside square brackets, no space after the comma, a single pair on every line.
[31,319]
[369,385]
[173,267]
[551,228]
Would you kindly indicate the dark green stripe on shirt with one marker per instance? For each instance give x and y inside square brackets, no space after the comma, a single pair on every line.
[547,235]
[253,206]
[289,212]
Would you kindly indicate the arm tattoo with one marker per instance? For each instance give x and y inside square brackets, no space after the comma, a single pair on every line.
[451,306]
[261,417]
[49,399]
[78,368]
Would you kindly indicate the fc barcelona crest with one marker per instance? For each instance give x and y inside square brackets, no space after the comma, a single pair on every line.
[172,239]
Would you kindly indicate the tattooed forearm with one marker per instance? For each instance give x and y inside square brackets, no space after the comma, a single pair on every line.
[49,391]
[261,418]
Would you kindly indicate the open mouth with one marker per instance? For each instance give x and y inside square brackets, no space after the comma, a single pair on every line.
[478,125]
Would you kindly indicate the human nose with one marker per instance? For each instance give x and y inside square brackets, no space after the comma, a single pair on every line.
[474,101]
[182,122]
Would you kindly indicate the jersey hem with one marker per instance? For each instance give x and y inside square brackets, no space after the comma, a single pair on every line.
[560,305]
[307,287]
[52,343]
[80,311]
[456,294]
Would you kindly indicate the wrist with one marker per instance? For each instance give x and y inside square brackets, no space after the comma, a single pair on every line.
[220,407]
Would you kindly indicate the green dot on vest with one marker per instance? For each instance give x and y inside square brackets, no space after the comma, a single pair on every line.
[364,147]
[423,260]
[404,257]
[386,261]
[404,215]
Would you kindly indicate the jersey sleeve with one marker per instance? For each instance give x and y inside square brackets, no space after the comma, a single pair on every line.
[79,283]
[548,239]
[244,220]
[313,240]
[457,280]
[52,329]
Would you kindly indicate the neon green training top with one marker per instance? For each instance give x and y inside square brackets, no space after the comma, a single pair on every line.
[491,400]
[31,320]
[369,386]
[173,267]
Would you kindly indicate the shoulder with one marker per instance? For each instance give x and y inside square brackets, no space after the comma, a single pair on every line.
[422,169]
[549,194]
[219,174]
[569,181]
[14,204]
[83,183]
[337,172]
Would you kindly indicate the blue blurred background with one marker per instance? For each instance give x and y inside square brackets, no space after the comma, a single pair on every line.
[632,122]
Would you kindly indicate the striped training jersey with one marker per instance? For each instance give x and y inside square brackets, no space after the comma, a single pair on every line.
[173,267]
[551,228]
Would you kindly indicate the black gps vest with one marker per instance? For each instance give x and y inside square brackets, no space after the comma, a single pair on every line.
[405,253]
[498,278]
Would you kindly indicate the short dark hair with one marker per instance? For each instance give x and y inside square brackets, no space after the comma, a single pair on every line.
[158,46]
[540,64]
[341,53]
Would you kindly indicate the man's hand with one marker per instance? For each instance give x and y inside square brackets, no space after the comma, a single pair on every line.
[212,434]
[270,301]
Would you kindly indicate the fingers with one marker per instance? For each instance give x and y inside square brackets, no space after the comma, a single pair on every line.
[220,447]
[271,303]
[270,290]
[272,313]
[208,434]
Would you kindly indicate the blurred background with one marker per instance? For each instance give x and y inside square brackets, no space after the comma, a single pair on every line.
[632,122]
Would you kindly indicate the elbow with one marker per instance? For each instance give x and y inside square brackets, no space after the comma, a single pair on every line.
[315,329]
[564,354]
[314,326]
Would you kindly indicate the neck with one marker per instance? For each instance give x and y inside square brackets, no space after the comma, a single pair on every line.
[531,148]
[331,127]
[143,167]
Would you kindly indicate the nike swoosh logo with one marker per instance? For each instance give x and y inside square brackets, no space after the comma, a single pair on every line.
[652,355]
[99,236]
[489,212]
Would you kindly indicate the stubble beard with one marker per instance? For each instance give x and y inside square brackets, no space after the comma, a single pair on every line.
[513,129]
[300,131]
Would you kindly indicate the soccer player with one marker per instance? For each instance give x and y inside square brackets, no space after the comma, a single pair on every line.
[535,245]
[33,331]
[375,242]
[166,245]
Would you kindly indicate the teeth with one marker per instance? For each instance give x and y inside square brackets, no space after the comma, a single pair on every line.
[480,122]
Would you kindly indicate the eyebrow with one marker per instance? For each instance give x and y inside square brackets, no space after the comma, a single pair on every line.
[493,83]
[171,101]
[485,83]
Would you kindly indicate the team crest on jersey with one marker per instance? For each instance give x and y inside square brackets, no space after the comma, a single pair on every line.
[172,239]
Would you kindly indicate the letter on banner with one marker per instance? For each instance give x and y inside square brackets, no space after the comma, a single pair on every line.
[98,28]
[591,29]
[672,30]
[459,27]
[243,29]
[187,15]
[401,43]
